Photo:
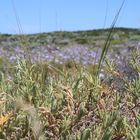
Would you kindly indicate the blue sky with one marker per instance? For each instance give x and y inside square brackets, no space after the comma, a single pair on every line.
[69,15]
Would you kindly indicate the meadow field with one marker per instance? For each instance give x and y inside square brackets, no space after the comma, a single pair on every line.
[65,85]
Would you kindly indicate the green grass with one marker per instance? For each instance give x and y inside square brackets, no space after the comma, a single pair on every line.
[45,101]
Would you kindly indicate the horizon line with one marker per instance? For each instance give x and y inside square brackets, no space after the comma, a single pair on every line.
[78,30]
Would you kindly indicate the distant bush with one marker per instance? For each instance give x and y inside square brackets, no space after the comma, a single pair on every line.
[63,42]
[114,42]
[135,37]
[81,40]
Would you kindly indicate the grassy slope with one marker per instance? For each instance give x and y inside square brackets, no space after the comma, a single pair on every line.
[89,37]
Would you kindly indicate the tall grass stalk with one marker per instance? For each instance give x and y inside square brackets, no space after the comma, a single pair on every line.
[108,40]
[23,38]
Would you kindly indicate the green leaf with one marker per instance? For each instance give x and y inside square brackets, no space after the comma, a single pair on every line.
[86,134]
[107,135]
